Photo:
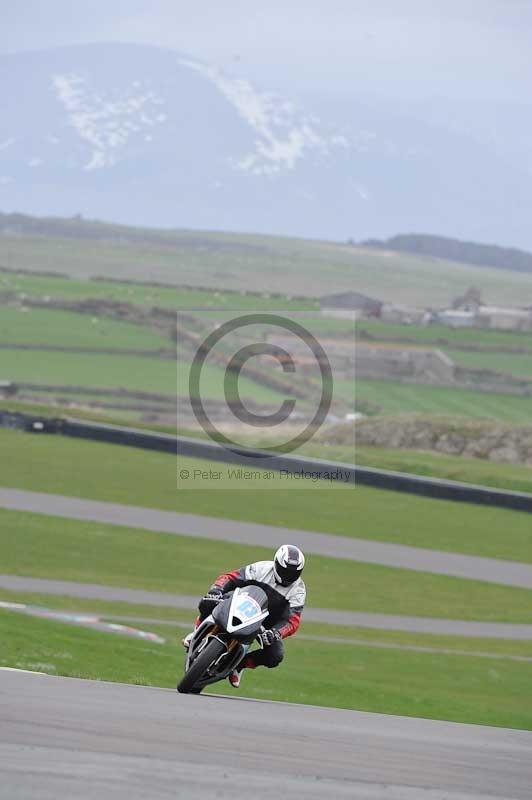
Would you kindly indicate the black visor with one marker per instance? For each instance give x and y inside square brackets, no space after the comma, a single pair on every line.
[287,574]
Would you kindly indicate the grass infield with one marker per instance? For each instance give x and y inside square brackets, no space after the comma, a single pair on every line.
[171,622]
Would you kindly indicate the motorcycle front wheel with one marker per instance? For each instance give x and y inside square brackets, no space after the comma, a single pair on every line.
[209,654]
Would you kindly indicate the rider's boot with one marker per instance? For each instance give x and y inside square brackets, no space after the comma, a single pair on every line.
[188,638]
[235,677]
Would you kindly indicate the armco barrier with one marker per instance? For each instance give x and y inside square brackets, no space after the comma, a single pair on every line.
[261,459]
[132,437]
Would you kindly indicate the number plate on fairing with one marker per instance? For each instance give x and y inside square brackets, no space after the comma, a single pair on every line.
[247,607]
[245,611]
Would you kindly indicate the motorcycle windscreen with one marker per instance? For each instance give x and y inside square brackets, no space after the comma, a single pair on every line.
[257,594]
[244,611]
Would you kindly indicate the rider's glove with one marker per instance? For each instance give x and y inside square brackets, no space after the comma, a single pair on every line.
[210,600]
[267,638]
[215,594]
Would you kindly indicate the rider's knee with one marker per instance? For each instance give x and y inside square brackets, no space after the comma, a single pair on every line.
[275,656]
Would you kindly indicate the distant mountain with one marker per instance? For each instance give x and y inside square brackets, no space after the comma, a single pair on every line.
[147,136]
[482,255]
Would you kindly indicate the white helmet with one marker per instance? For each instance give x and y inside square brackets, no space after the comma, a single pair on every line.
[288,564]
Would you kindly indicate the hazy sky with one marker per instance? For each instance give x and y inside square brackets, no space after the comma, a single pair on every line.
[410,49]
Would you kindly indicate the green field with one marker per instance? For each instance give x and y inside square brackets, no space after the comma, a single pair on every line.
[42,287]
[393,398]
[61,328]
[134,373]
[510,363]
[460,688]
[245,261]
[455,343]
[443,335]
[133,476]
[143,294]
[67,329]
[92,370]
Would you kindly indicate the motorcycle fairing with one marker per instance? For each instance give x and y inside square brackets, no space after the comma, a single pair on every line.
[244,611]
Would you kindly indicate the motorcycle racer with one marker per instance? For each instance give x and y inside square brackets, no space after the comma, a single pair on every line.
[286,591]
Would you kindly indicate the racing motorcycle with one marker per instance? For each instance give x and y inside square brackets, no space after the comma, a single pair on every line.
[222,640]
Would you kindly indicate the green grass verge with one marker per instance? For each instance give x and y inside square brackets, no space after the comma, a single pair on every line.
[459,688]
[470,470]
[516,477]
[39,546]
[139,477]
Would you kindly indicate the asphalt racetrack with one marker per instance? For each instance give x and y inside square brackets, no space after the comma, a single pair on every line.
[445,627]
[66,738]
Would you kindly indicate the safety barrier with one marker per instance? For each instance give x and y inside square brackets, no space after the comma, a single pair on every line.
[262,459]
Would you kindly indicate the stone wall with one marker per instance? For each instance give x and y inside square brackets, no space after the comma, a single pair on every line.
[427,366]
[485,439]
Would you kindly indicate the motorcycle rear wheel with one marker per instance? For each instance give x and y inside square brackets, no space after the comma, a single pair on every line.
[209,654]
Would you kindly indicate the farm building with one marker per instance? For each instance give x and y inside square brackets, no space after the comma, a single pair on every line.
[350,305]
[505,319]
[403,315]
[498,318]
[456,318]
